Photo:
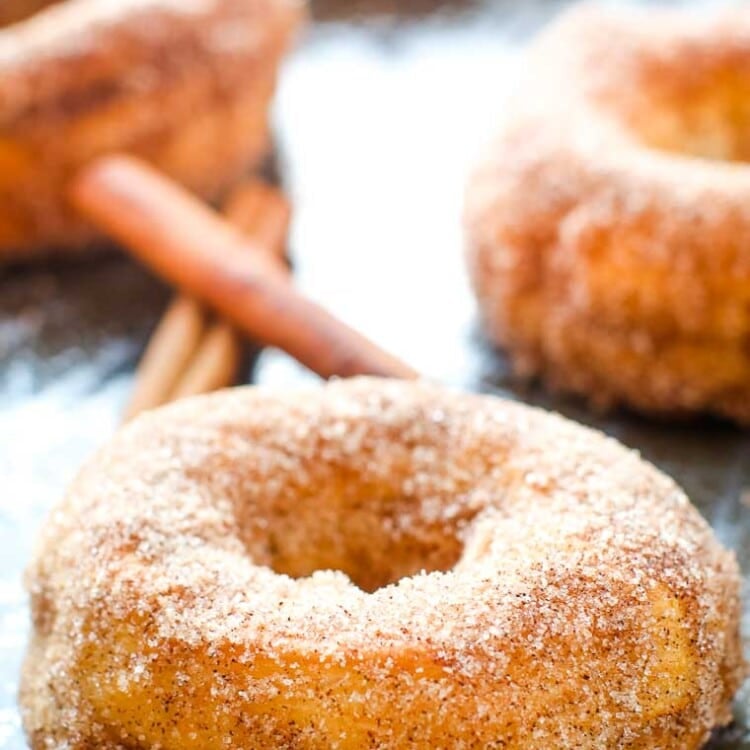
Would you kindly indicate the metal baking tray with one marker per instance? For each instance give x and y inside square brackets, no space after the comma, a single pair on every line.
[380,114]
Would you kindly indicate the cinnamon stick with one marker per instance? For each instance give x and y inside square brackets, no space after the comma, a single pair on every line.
[185,356]
[214,364]
[263,214]
[187,244]
[169,350]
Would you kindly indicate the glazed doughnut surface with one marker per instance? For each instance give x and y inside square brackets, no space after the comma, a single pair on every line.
[376,564]
[609,225]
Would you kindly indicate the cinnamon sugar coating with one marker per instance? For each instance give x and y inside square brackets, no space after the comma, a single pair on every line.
[375,564]
[609,225]
[184,84]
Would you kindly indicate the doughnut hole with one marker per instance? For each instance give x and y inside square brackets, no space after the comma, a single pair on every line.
[709,123]
[385,516]
[15,11]
[368,532]
[705,115]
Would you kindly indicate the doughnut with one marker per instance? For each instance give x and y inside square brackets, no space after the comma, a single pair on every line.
[184,84]
[608,225]
[375,564]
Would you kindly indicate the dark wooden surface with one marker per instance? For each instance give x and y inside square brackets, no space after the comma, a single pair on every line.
[381,112]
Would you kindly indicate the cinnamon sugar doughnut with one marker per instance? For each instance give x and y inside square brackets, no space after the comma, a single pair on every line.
[247,570]
[184,84]
[609,226]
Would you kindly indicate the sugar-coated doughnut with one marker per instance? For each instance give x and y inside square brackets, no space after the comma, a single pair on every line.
[184,84]
[376,564]
[609,225]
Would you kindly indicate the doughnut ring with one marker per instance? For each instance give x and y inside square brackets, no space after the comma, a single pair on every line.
[183,84]
[608,228]
[376,564]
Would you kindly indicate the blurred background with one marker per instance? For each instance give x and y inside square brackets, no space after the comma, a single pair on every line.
[381,111]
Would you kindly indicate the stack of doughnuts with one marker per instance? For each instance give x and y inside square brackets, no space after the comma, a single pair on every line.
[609,226]
[184,84]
